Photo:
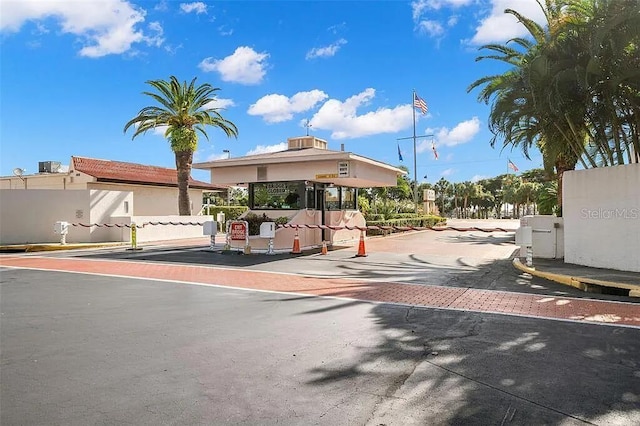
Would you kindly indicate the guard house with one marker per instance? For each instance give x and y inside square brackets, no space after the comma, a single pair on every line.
[308,184]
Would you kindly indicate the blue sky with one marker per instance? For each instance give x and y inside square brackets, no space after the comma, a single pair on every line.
[73,73]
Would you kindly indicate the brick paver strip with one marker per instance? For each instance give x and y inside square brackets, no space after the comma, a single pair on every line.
[434,296]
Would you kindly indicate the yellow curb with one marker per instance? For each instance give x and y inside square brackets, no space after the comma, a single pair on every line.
[577,282]
[28,248]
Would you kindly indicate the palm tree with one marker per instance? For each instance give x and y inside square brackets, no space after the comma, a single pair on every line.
[573,89]
[522,113]
[443,189]
[184,109]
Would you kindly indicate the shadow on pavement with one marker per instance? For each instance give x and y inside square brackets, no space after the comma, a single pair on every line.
[454,368]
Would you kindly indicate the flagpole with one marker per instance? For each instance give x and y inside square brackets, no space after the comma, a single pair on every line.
[415,164]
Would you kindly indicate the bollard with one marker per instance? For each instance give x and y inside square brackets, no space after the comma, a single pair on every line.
[529,258]
[61,228]
[134,237]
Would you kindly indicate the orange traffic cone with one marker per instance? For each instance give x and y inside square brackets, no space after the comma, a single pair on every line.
[361,251]
[324,248]
[296,244]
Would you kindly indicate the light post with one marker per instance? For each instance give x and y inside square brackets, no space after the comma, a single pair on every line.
[415,166]
[226,151]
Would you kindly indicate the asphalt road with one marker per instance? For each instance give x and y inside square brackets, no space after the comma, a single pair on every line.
[79,349]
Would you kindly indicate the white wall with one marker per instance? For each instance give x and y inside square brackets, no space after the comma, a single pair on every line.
[601,210]
[28,216]
[154,200]
[181,230]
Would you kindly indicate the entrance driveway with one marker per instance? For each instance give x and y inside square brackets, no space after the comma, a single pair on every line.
[260,347]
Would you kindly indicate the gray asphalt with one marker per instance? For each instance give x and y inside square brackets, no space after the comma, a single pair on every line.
[81,349]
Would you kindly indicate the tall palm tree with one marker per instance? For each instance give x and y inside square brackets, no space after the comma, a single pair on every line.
[185,109]
[524,112]
[573,87]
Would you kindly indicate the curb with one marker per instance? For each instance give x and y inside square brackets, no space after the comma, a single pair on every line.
[29,248]
[581,283]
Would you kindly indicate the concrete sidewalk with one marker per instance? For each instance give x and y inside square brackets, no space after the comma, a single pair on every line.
[595,280]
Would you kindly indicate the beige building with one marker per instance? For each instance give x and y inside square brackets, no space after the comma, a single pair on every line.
[154,188]
[307,183]
[93,191]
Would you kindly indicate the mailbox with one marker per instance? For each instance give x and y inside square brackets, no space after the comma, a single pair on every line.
[210,228]
[267,230]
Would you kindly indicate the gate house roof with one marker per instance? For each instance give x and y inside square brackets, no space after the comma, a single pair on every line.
[303,164]
[132,173]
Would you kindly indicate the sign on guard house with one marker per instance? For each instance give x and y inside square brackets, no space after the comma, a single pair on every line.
[343,169]
[238,231]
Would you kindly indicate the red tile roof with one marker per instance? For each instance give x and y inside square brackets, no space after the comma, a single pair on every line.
[121,172]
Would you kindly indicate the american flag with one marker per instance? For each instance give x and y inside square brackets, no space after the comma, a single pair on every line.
[419,103]
[512,166]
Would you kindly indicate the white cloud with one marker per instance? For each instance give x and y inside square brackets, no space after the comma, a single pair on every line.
[159,130]
[276,108]
[103,28]
[335,29]
[477,178]
[213,157]
[161,7]
[263,149]
[419,9]
[327,51]
[197,7]
[447,172]
[462,133]
[223,30]
[342,120]
[500,26]
[220,103]
[432,28]
[244,66]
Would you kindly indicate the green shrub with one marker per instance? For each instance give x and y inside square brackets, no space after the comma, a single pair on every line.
[230,212]
[414,221]
[374,217]
[255,221]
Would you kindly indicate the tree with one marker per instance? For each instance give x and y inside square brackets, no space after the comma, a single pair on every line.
[184,109]
[443,190]
[573,87]
[494,187]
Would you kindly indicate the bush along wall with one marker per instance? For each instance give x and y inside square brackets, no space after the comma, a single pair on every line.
[417,221]
[255,221]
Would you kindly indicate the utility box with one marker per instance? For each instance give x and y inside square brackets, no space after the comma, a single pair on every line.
[267,230]
[210,228]
[49,166]
[524,236]
[547,236]
[61,228]
[220,217]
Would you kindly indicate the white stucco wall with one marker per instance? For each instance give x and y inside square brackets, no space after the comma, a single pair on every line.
[182,227]
[154,200]
[28,216]
[601,210]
